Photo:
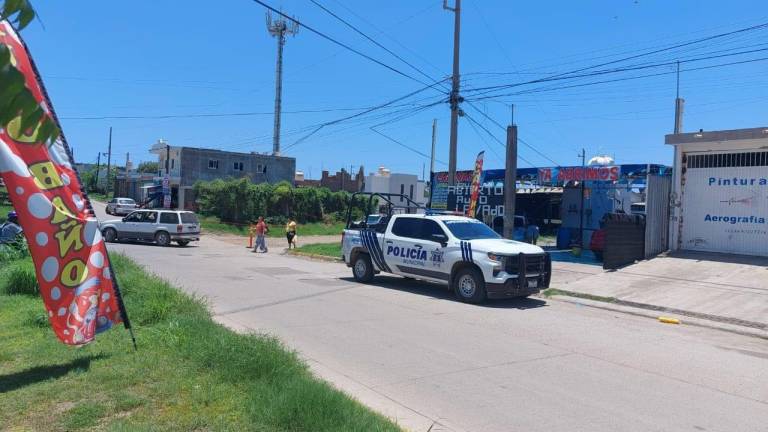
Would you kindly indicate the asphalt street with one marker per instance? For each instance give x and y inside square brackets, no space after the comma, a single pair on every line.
[410,351]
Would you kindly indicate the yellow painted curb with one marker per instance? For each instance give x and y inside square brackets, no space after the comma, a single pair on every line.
[668,320]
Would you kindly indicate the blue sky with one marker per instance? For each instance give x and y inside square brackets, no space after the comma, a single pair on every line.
[154,58]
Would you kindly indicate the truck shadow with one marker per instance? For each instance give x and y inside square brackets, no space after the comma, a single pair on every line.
[441,292]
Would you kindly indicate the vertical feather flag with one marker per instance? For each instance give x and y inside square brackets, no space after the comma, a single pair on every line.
[73,270]
[475,188]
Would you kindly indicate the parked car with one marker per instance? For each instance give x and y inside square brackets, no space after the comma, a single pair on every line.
[159,226]
[121,206]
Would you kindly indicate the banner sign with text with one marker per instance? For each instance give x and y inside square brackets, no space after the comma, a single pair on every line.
[476,175]
[73,270]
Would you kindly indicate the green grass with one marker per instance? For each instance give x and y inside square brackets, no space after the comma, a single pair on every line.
[550,292]
[4,209]
[324,249]
[213,224]
[189,373]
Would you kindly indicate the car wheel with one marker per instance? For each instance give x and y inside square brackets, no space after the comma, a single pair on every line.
[182,243]
[469,286]
[163,238]
[110,235]
[362,268]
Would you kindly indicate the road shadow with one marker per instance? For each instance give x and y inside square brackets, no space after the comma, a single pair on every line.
[441,292]
[38,374]
[720,257]
[191,245]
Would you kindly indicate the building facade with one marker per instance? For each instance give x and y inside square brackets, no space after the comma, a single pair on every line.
[341,181]
[383,181]
[187,165]
[720,191]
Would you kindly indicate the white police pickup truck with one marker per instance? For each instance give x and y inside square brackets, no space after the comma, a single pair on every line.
[470,257]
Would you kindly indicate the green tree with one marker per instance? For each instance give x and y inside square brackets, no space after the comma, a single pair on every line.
[148,167]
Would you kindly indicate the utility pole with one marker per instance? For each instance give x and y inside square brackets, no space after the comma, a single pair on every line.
[109,160]
[434,142]
[455,99]
[679,105]
[583,157]
[98,167]
[510,183]
[279,28]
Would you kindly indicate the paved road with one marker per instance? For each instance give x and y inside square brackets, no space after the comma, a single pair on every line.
[410,351]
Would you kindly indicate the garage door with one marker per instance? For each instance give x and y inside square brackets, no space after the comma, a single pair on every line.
[725,202]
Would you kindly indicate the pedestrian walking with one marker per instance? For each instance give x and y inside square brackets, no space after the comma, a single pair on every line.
[290,233]
[261,233]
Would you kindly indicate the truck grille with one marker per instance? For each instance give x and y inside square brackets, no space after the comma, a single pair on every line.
[534,264]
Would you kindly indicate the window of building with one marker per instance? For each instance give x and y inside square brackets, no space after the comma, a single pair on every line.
[213,164]
[238,166]
[173,163]
[259,168]
[402,191]
[411,193]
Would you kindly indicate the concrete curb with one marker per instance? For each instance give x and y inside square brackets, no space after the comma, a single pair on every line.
[651,312]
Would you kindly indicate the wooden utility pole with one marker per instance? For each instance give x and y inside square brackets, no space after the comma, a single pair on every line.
[109,160]
[583,157]
[510,183]
[455,99]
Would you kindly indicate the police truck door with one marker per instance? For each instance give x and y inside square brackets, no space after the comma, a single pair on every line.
[404,248]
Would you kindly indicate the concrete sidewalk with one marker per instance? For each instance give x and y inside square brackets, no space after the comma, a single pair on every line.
[724,288]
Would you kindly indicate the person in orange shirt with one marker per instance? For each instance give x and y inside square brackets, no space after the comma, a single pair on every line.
[261,231]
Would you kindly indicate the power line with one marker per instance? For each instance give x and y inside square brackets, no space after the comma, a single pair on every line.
[406,146]
[373,41]
[488,89]
[544,89]
[496,138]
[518,138]
[341,44]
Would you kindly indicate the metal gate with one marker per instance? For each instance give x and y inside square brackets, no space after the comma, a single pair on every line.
[657,215]
[725,202]
[624,239]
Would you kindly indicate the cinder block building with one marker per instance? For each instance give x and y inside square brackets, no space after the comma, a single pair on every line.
[187,165]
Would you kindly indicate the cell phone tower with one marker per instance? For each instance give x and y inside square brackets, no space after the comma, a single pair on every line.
[279,28]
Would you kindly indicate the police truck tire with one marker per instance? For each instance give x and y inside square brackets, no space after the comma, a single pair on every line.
[362,268]
[110,235]
[163,238]
[469,285]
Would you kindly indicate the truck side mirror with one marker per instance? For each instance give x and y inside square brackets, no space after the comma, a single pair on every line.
[439,238]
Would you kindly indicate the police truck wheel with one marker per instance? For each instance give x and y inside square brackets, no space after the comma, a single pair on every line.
[110,235]
[163,238]
[469,286]
[362,268]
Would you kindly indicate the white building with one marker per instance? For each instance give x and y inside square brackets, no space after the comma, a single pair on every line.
[383,181]
[720,191]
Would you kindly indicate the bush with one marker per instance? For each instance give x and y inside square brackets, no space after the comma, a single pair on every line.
[241,201]
[19,278]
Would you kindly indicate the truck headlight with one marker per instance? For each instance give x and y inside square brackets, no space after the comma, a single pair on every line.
[494,257]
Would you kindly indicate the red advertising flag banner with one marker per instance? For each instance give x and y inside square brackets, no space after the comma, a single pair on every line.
[475,188]
[73,270]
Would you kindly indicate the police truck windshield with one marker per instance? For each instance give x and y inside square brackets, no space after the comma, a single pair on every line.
[467,230]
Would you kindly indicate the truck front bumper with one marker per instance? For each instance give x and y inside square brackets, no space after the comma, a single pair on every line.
[535,277]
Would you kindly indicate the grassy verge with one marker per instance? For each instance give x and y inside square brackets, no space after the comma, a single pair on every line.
[549,292]
[213,224]
[4,209]
[323,249]
[188,374]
